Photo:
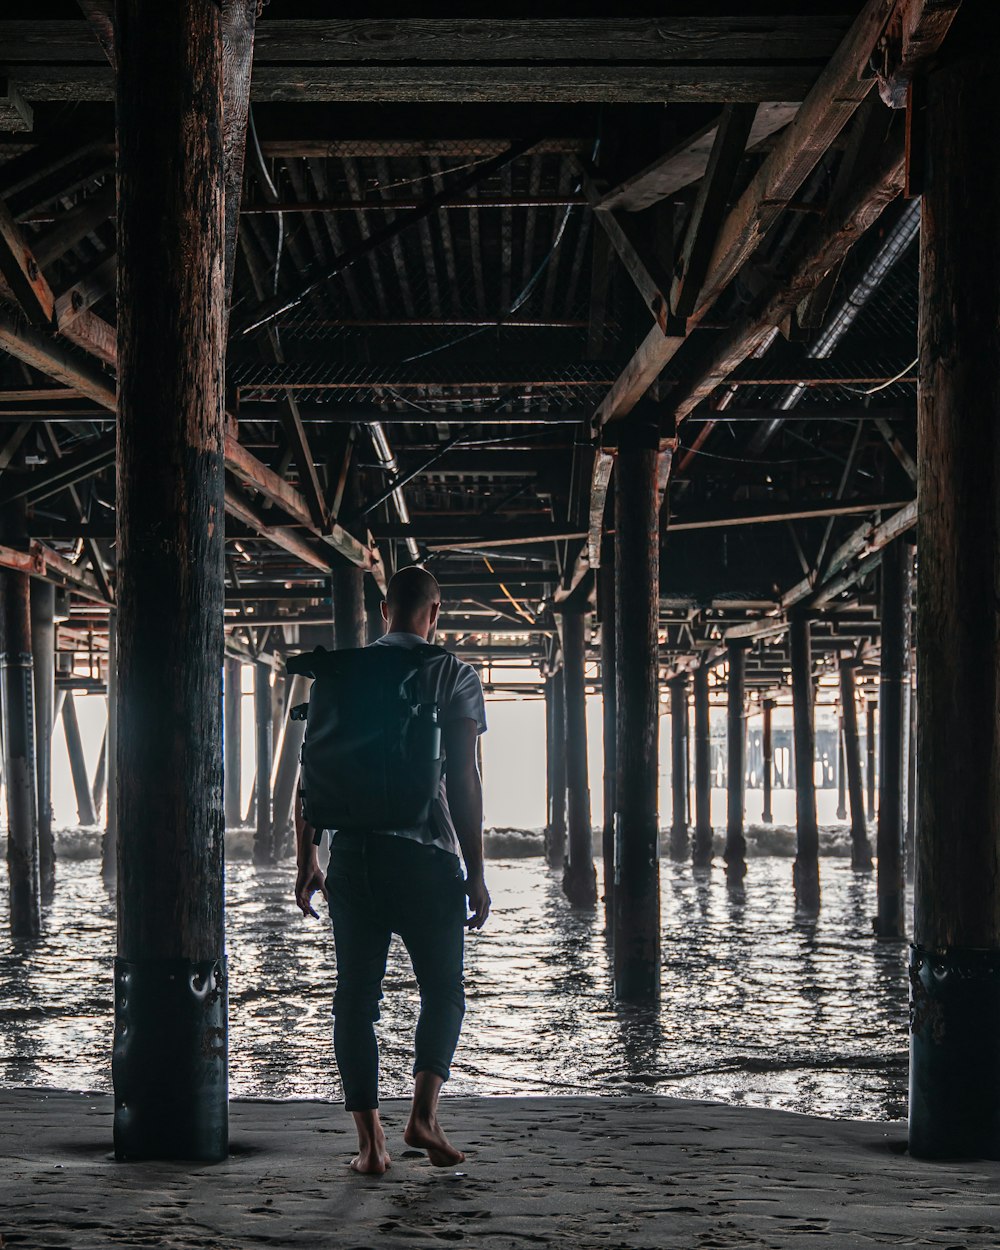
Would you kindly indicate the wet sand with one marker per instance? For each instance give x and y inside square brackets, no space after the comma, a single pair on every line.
[574,1172]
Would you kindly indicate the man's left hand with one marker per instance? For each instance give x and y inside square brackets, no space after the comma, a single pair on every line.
[308,880]
[479,902]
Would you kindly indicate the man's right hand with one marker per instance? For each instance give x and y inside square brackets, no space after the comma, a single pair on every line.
[308,880]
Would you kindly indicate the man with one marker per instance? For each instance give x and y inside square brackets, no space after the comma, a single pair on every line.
[409,882]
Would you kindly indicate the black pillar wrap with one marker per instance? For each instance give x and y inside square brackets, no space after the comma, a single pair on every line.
[954,1053]
[170,1018]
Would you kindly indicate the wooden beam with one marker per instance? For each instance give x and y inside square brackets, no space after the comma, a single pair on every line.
[708,209]
[831,102]
[21,270]
[684,165]
[844,224]
[47,356]
[640,265]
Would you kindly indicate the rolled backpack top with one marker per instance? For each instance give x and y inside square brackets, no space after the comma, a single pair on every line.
[372,757]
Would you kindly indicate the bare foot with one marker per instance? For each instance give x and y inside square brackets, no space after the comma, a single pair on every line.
[372,1159]
[428,1135]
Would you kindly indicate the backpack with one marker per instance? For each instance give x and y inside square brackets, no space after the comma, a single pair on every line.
[372,756]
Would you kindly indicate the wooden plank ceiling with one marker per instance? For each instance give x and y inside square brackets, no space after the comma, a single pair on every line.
[468,248]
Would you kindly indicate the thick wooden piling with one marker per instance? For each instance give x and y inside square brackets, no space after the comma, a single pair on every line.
[109,865]
[806,871]
[736,756]
[264,719]
[637,604]
[703,835]
[841,773]
[170,1059]
[555,829]
[680,839]
[871,714]
[861,848]
[16,691]
[232,737]
[43,650]
[579,876]
[350,625]
[767,752]
[955,960]
[890,919]
[609,704]
[286,775]
[77,764]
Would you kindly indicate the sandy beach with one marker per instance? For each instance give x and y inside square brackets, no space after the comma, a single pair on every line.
[573,1172]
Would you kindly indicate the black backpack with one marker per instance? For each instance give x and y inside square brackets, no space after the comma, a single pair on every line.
[372,756]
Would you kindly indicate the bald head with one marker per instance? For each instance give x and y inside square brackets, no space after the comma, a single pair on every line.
[412,601]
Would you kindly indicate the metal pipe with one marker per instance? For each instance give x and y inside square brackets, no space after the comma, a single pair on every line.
[894,246]
[388,462]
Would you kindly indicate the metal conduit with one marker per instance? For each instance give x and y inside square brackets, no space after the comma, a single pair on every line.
[895,244]
[388,462]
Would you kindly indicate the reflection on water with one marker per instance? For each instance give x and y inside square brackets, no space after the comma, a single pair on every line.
[757,1007]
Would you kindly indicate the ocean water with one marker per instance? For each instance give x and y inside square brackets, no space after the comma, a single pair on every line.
[758,1007]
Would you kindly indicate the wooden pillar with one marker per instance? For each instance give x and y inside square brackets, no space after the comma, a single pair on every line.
[890,919]
[77,764]
[637,603]
[841,773]
[579,877]
[910,832]
[767,751]
[680,841]
[110,841]
[43,650]
[232,737]
[736,742]
[16,693]
[263,713]
[871,711]
[286,776]
[703,834]
[955,968]
[170,1058]
[861,849]
[555,830]
[806,871]
[609,703]
[99,789]
[350,625]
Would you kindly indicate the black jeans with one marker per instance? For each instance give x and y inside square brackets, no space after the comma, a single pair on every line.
[379,885]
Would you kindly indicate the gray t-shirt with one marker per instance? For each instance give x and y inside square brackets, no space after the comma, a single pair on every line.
[455,687]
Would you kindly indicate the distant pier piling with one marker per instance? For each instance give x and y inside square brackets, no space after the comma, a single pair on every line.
[233,739]
[679,828]
[609,704]
[579,876]
[861,849]
[637,597]
[767,760]
[736,756]
[806,870]
[16,691]
[890,919]
[43,650]
[264,722]
[77,763]
[703,849]
[555,829]
[871,715]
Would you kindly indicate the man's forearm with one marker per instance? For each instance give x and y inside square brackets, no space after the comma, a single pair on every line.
[465,802]
[306,851]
